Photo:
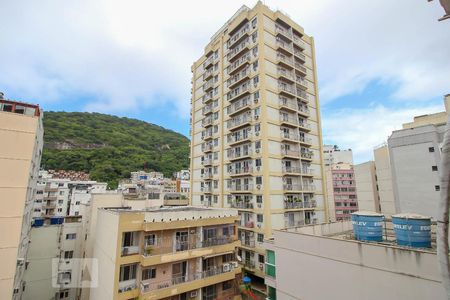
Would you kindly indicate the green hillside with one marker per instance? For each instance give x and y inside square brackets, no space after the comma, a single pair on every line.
[109,147]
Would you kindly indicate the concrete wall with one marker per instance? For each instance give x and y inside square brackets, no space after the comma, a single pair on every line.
[384,180]
[366,186]
[305,264]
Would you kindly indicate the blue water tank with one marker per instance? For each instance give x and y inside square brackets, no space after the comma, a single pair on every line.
[412,230]
[38,222]
[56,220]
[368,226]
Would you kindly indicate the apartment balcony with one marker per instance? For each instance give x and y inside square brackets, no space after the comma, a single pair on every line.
[293,204]
[307,155]
[241,171]
[294,224]
[300,68]
[286,89]
[207,147]
[50,198]
[285,60]
[292,169]
[299,42]
[288,104]
[233,139]
[290,136]
[238,78]
[302,95]
[249,265]
[303,83]
[234,94]
[207,175]
[238,35]
[242,188]
[49,205]
[209,61]
[247,224]
[207,109]
[283,31]
[208,85]
[207,97]
[305,140]
[192,281]
[207,135]
[288,120]
[304,125]
[208,74]
[300,55]
[312,204]
[239,105]
[303,110]
[240,48]
[298,187]
[239,155]
[242,61]
[242,205]
[239,121]
[206,189]
[207,161]
[247,242]
[284,46]
[286,74]
[207,121]
[130,250]
[50,189]
[290,153]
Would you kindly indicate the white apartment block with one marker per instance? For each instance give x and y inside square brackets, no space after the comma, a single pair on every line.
[333,155]
[366,187]
[256,134]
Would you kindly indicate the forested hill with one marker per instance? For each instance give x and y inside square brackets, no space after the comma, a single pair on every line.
[110,147]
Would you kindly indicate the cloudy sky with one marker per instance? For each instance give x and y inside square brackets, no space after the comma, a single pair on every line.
[379,62]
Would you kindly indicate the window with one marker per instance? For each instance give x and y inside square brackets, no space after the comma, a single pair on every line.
[434,168]
[259,218]
[39,192]
[60,201]
[437,188]
[270,263]
[77,203]
[216,199]
[61,193]
[59,209]
[216,184]
[260,239]
[127,272]
[431,149]
[37,210]
[149,273]
[254,21]
[226,285]
[77,213]
[258,162]
[71,236]
[68,254]
[258,180]
[60,184]
[259,199]
[261,258]
[63,295]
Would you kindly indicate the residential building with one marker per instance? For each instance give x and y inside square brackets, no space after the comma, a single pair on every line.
[384,180]
[366,187]
[183,175]
[415,159]
[341,188]
[334,155]
[351,269]
[255,123]
[21,135]
[166,253]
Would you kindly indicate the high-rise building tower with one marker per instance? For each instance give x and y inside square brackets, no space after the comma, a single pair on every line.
[256,132]
[21,136]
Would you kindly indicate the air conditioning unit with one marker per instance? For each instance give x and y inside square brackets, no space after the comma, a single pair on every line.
[257,133]
[226,267]
[258,169]
[193,294]
[256,100]
[256,117]
[234,264]
[261,266]
[259,205]
[258,186]
[259,225]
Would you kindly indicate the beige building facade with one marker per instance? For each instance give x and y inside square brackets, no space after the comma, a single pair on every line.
[255,123]
[21,135]
[366,183]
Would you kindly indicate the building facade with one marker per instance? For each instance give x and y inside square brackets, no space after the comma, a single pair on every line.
[342,196]
[167,253]
[255,123]
[366,187]
[332,154]
[21,135]
[351,269]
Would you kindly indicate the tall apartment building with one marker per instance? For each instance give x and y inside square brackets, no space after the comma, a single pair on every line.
[332,154]
[21,136]
[341,188]
[366,187]
[415,158]
[256,133]
[166,253]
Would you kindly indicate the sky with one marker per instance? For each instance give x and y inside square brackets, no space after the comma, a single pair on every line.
[379,62]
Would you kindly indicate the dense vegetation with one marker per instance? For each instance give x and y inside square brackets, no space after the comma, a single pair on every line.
[109,147]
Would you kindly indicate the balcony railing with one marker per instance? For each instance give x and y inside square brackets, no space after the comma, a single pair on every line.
[298,187]
[127,285]
[207,97]
[235,51]
[305,140]
[238,138]
[299,42]
[206,189]
[244,88]
[292,169]
[235,65]
[284,59]
[238,105]
[303,82]
[213,271]
[293,204]
[238,77]
[207,121]
[284,45]
[239,120]
[302,95]
[235,37]
[248,242]
[207,147]
[290,152]
[304,109]
[242,205]
[304,124]
[299,67]
[241,187]
[207,175]
[286,88]
[208,61]
[207,134]
[294,224]
[233,154]
[288,119]
[290,136]
[285,73]
[285,102]
[207,161]
[207,109]
[248,264]
[208,85]
[247,224]
[243,170]
[283,31]
[130,250]
[208,73]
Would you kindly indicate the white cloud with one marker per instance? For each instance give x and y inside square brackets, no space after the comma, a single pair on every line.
[132,54]
[363,129]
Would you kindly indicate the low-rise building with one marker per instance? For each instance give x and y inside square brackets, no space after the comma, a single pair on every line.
[162,253]
[301,261]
